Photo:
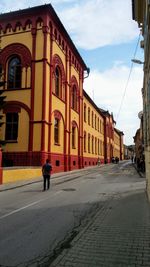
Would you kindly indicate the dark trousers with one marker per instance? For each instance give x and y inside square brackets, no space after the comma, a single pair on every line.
[46,180]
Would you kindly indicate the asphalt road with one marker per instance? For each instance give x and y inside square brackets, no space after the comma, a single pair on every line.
[33,223]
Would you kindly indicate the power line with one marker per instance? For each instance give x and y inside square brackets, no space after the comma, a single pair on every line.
[131,68]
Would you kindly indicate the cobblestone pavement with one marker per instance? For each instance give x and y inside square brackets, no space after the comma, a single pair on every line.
[118,235]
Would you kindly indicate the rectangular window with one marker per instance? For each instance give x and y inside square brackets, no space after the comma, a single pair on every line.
[88,116]
[57,163]
[88,143]
[85,142]
[95,122]
[56,131]
[11,132]
[96,146]
[84,113]
[73,137]
[92,145]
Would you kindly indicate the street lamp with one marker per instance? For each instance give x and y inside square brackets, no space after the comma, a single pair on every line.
[137,61]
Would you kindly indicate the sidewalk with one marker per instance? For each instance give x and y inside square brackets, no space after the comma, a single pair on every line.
[117,236]
[57,178]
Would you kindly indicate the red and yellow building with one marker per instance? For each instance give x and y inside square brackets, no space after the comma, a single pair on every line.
[48,114]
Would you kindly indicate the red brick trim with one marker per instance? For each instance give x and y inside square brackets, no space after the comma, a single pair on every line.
[30,146]
[12,105]
[17,49]
[45,33]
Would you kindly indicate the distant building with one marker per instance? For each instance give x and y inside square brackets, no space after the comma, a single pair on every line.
[118,144]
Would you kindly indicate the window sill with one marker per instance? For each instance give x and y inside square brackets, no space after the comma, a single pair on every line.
[17,89]
[56,144]
[11,141]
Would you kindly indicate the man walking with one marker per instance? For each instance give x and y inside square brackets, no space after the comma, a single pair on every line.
[46,171]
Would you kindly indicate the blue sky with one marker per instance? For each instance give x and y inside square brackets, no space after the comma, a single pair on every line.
[97,58]
[106,37]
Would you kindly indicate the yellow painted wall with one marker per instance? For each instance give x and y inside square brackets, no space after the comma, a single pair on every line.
[74,73]
[23,37]
[39,44]
[57,50]
[37,137]
[22,96]
[38,91]
[92,131]
[74,116]
[14,175]
[58,104]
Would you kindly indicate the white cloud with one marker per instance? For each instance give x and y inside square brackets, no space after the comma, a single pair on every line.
[91,23]
[96,23]
[108,88]
[8,5]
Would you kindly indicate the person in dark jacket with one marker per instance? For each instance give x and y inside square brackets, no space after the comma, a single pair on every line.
[46,171]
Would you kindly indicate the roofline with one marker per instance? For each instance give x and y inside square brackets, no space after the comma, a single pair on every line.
[106,113]
[47,7]
[92,103]
[118,131]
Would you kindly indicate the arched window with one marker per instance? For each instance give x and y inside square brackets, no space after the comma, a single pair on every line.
[98,147]
[89,116]
[11,132]
[92,144]
[84,112]
[73,137]
[89,143]
[95,145]
[92,119]
[74,98]
[84,141]
[95,122]
[57,82]
[14,73]
[56,130]
[98,125]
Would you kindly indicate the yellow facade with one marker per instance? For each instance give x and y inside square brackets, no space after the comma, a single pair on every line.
[116,152]
[93,131]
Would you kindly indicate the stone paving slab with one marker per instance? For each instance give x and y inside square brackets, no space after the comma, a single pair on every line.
[117,236]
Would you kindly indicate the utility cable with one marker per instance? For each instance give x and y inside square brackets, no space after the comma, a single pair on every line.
[131,68]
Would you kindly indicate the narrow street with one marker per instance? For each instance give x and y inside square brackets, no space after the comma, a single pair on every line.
[74,222]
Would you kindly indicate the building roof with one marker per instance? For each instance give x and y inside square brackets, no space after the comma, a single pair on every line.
[118,131]
[137,10]
[92,103]
[107,114]
[6,18]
